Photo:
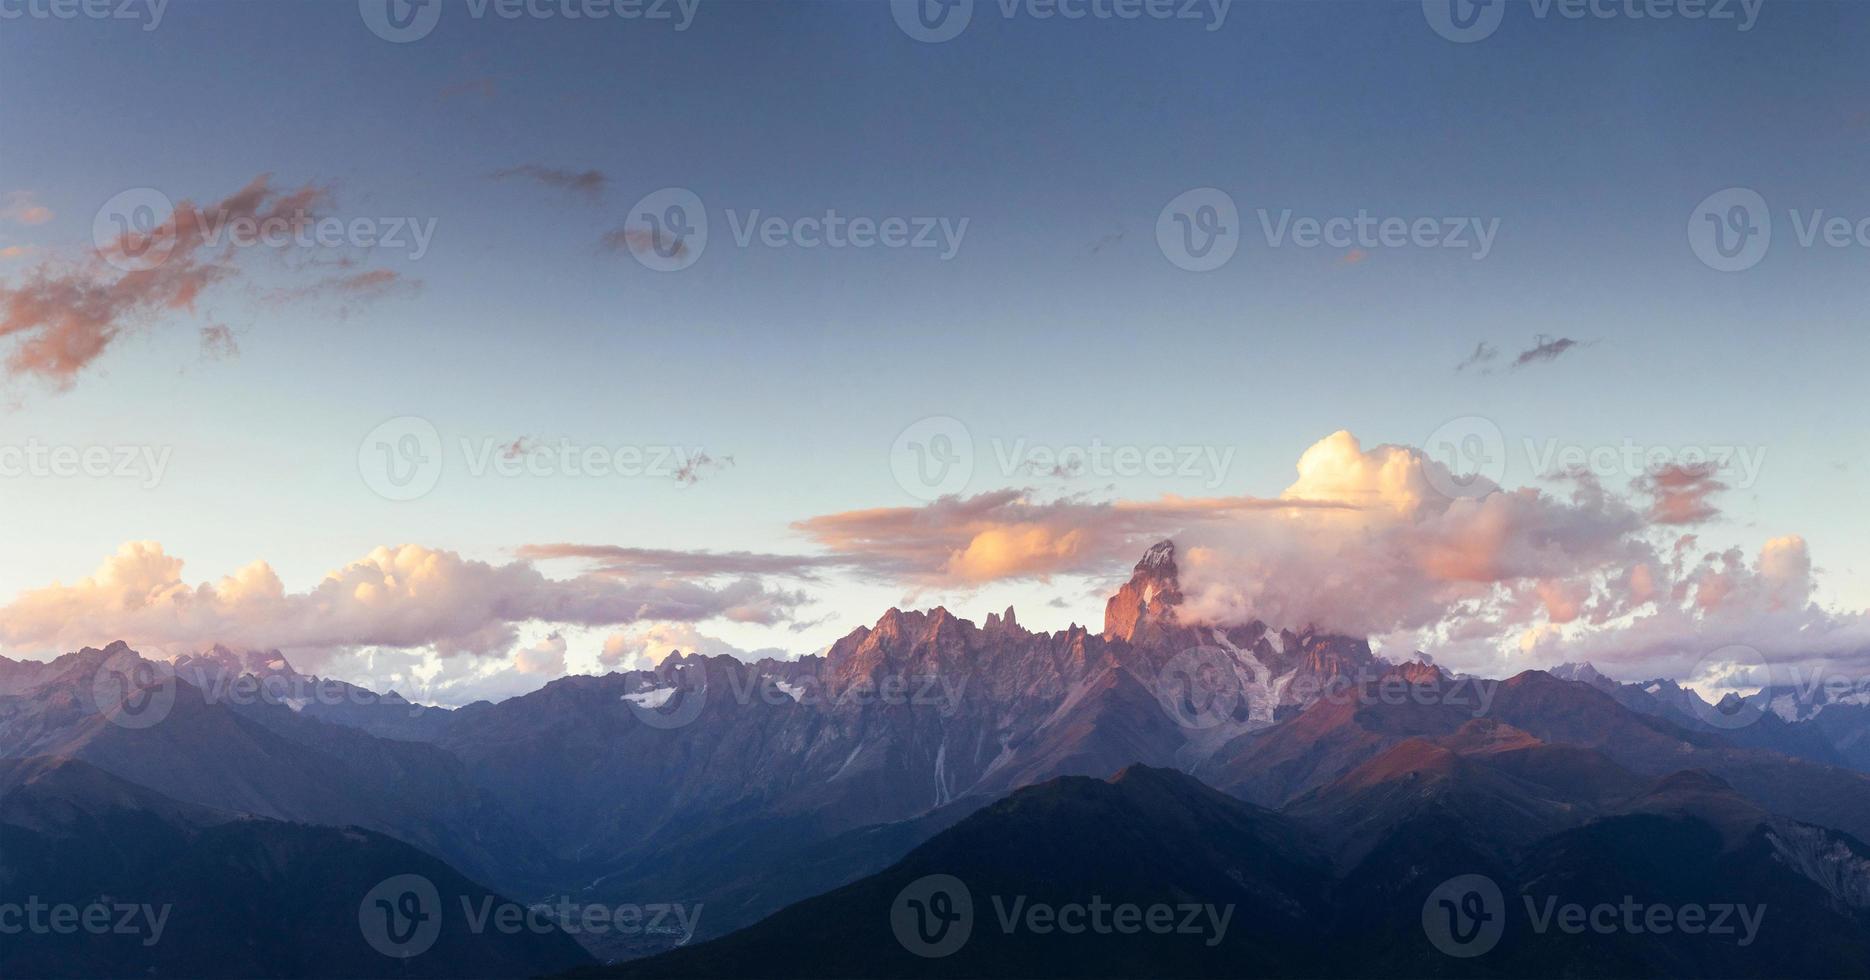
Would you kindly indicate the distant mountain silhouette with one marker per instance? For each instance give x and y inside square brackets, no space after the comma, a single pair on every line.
[240,896]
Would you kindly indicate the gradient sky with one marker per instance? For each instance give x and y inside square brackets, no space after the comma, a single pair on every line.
[1058,321]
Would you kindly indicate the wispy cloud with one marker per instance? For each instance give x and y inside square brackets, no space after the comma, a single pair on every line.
[622,561]
[65,314]
[1544,350]
[23,207]
[692,468]
[590,183]
[218,343]
[1682,494]
[1484,354]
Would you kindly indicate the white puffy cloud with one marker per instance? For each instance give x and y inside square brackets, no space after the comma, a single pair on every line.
[644,646]
[544,657]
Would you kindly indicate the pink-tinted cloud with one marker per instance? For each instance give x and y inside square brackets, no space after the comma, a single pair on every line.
[406,597]
[65,314]
[645,645]
[1005,534]
[23,207]
[1682,493]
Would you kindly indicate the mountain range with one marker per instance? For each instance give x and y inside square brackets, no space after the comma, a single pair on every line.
[1318,791]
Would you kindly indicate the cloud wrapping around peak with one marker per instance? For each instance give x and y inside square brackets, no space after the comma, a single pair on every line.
[1405,556]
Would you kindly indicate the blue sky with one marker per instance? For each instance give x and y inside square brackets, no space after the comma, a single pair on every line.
[1057,321]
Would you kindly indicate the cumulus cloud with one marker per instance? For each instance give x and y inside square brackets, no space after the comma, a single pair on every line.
[406,597]
[544,657]
[1720,600]
[645,645]
[1405,556]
